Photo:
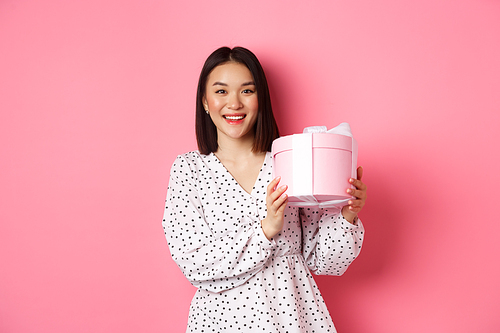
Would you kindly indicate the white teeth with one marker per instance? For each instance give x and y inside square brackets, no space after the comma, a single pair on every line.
[234,117]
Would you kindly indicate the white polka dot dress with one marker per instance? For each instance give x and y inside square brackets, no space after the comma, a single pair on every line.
[245,282]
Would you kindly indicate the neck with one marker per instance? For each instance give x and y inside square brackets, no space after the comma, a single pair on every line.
[235,149]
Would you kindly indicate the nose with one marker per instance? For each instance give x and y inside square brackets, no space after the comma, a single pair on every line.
[234,102]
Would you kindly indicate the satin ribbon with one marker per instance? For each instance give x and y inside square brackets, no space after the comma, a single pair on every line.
[310,201]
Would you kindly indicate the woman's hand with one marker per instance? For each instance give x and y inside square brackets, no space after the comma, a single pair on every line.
[276,202]
[350,212]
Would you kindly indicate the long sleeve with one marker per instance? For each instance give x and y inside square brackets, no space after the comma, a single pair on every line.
[210,260]
[329,242]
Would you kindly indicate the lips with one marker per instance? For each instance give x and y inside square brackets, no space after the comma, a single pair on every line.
[234,117]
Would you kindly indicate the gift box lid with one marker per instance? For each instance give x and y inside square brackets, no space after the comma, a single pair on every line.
[319,140]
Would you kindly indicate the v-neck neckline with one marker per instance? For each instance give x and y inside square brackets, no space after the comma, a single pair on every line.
[234,179]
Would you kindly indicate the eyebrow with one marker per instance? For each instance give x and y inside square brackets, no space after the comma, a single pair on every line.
[249,83]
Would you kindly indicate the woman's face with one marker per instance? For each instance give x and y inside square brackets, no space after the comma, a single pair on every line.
[231,99]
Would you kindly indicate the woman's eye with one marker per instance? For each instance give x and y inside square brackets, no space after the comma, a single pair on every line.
[248,91]
[220,91]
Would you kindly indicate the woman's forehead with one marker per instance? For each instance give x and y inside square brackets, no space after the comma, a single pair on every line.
[230,73]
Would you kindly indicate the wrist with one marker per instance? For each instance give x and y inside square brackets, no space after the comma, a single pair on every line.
[350,216]
[268,230]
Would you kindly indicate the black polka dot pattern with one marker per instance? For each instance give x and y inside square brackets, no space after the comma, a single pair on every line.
[247,283]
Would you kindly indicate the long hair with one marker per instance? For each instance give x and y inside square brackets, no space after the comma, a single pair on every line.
[266,129]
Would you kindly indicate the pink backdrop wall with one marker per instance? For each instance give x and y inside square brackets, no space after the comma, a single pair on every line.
[97,99]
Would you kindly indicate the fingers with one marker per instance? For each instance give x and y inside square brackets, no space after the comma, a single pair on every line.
[280,203]
[360,194]
[356,204]
[278,193]
[353,209]
[360,172]
[276,197]
[272,185]
[358,184]
[272,192]
[283,197]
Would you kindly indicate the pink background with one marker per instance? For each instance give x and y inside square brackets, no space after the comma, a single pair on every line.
[97,98]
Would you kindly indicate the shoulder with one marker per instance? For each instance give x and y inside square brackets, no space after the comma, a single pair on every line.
[189,163]
[191,158]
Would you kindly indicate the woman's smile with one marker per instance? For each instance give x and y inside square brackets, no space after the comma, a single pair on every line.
[234,119]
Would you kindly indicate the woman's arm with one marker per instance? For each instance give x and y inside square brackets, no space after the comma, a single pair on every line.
[332,238]
[213,263]
[329,242]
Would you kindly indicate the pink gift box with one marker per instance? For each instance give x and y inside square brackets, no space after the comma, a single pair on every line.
[316,166]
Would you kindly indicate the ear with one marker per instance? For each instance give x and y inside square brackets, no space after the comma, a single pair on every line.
[205,103]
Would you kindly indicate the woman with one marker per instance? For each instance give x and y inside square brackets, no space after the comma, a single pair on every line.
[228,225]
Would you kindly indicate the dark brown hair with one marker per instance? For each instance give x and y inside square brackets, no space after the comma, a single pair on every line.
[266,129]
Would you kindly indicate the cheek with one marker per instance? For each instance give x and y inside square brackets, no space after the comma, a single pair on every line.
[216,102]
[213,102]
[254,104]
